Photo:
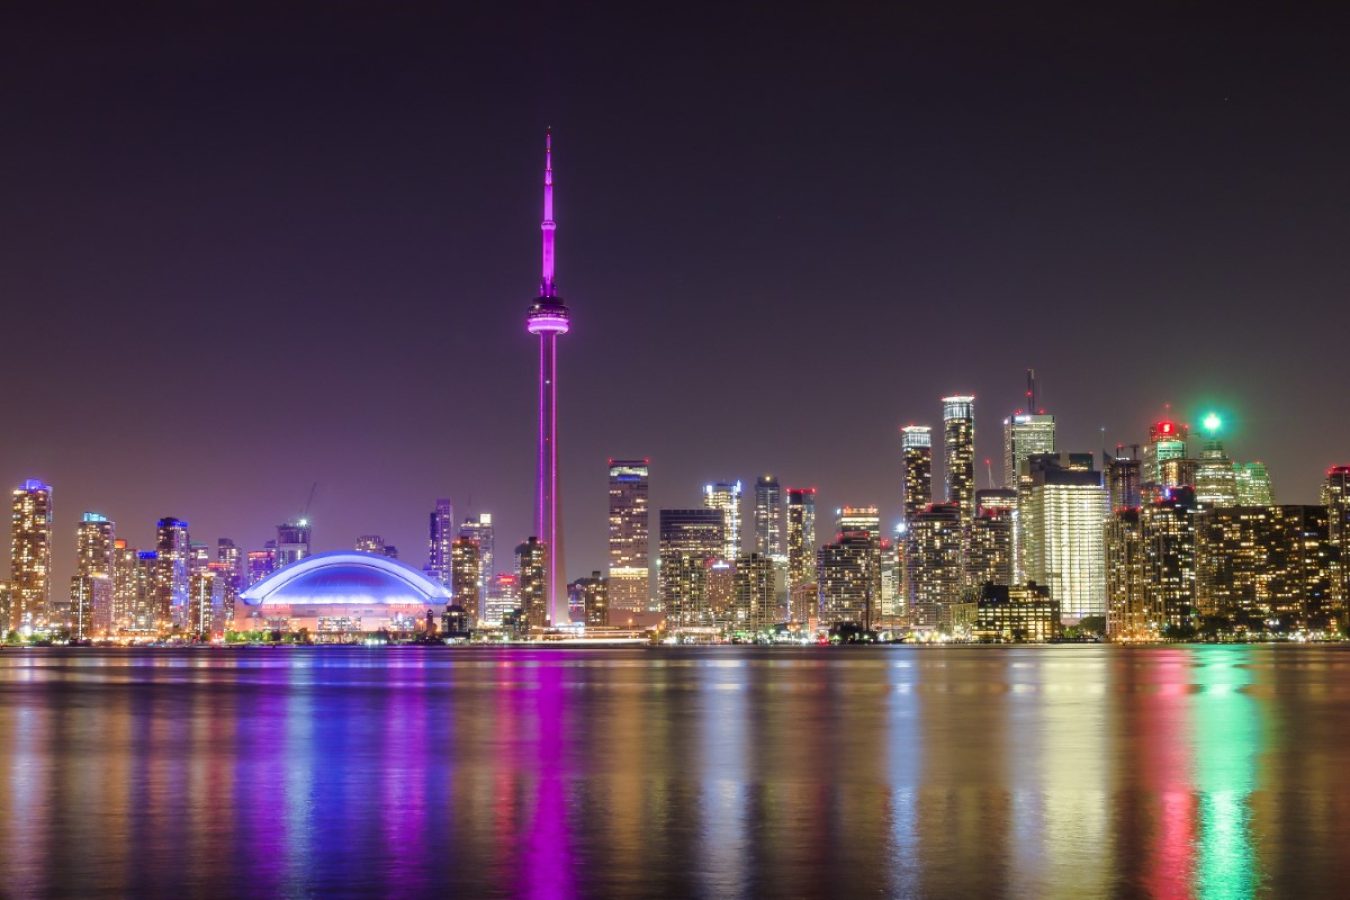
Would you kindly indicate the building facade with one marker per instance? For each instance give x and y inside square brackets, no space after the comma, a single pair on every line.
[725,496]
[1062,513]
[30,555]
[801,551]
[629,535]
[690,541]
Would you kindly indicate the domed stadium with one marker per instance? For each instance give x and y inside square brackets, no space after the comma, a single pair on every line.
[332,595]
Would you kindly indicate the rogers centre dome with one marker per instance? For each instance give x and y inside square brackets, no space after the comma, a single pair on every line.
[341,592]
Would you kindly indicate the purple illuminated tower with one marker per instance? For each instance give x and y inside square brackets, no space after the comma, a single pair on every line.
[548,318]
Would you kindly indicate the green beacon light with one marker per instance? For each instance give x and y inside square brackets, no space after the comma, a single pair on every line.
[1212,423]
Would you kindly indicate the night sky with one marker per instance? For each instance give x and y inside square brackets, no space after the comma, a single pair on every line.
[244,249]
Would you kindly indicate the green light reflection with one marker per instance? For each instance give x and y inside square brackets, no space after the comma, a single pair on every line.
[1227,732]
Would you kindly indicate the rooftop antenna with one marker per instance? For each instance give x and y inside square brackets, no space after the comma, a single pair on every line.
[989,470]
[1031,392]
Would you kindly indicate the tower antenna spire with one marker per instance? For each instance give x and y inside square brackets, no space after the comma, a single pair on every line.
[548,226]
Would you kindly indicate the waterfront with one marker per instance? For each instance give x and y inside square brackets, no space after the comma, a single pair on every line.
[1082,771]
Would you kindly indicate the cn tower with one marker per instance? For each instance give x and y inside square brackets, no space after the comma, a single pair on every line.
[548,318]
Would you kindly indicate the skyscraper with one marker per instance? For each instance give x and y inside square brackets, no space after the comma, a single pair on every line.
[1258,565]
[1062,518]
[1166,440]
[548,318]
[172,545]
[933,565]
[292,542]
[690,540]
[592,596]
[849,579]
[126,597]
[532,570]
[1336,498]
[466,576]
[1253,484]
[916,447]
[725,496]
[94,538]
[769,518]
[91,588]
[1130,613]
[990,560]
[958,426]
[801,551]
[440,535]
[1023,435]
[1122,481]
[629,583]
[1168,528]
[30,554]
[755,606]
[480,529]
[1215,480]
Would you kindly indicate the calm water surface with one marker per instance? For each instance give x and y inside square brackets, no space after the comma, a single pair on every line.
[976,772]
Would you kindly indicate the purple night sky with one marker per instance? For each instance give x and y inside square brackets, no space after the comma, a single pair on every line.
[244,248]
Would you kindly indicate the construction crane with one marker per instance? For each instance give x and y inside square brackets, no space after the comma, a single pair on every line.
[304,515]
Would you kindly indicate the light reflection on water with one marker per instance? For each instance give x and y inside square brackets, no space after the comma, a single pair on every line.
[1076,771]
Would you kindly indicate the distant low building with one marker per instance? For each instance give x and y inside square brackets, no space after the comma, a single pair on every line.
[1017,614]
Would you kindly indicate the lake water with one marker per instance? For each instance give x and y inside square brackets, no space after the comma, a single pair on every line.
[973,772]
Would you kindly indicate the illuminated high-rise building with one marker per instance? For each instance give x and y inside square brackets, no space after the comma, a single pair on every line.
[230,556]
[201,606]
[1253,484]
[1130,611]
[1336,498]
[172,546]
[146,619]
[125,584]
[1123,481]
[725,496]
[934,560]
[719,589]
[91,599]
[1168,529]
[755,606]
[849,579]
[1166,440]
[504,596]
[690,541]
[549,318]
[440,535]
[890,613]
[293,542]
[480,529]
[916,450]
[532,570]
[1062,516]
[466,576]
[769,539]
[1257,565]
[990,560]
[30,555]
[801,552]
[94,541]
[260,563]
[592,598]
[958,427]
[863,519]
[1025,434]
[225,588]
[1215,481]
[629,583]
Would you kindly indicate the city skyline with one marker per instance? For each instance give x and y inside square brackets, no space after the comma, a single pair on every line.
[410,255]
